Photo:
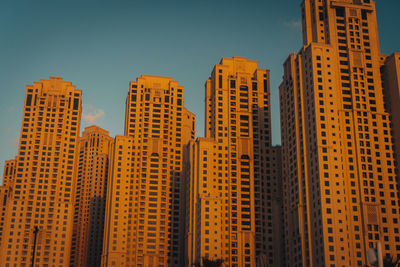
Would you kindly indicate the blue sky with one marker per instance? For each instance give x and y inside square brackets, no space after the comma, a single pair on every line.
[101,45]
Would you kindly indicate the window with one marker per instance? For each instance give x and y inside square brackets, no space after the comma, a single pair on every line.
[76,103]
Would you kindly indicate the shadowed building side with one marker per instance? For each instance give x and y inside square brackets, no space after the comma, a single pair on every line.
[391,85]
[90,194]
[273,212]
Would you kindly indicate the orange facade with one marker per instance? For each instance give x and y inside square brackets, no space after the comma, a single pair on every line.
[340,189]
[6,191]
[229,171]
[42,188]
[144,218]
[93,153]
[157,197]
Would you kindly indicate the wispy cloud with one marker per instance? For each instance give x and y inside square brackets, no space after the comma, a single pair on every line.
[91,114]
[294,24]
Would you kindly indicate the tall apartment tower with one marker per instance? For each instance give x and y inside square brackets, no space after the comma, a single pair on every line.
[340,189]
[90,196]
[6,191]
[144,214]
[42,191]
[228,171]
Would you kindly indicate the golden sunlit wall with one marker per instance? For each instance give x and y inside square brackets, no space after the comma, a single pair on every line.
[6,191]
[339,182]
[228,182]
[90,196]
[144,213]
[42,190]
[196,205]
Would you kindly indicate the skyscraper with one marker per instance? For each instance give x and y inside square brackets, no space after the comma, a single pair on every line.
[90,196]
[340,189]
[229,171]
[144,215]
[42,190]
[6,191]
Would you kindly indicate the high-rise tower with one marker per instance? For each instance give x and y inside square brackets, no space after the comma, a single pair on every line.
[90,196]
[340,189]
[228,171]
[144,215]
[6,191]
[43,185]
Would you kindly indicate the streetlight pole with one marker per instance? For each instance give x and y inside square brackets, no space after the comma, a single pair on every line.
[35,232]
[374,255]
[379,252]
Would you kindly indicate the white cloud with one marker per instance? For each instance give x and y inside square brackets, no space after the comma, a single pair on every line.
[91,114]
[294,24]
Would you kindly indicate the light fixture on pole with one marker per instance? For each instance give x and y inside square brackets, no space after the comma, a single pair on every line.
[374,255]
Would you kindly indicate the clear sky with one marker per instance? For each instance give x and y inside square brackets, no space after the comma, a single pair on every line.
[101,45]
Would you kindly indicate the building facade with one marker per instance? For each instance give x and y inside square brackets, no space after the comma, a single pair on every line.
[340,189]
[6,191]
[391,85]
[273,213]
[144,214]
[93,152]
[229,171]
[42,191]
